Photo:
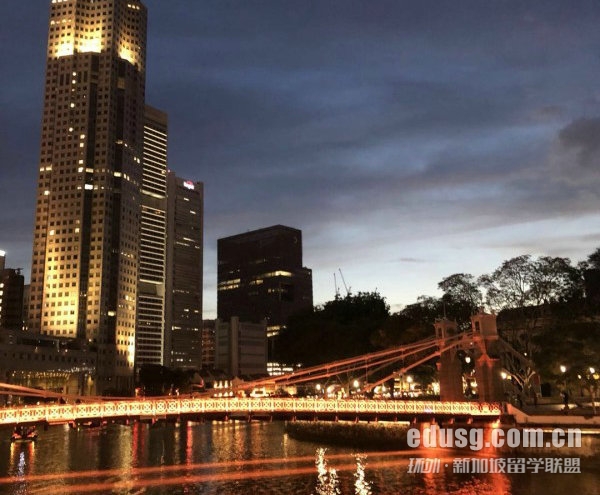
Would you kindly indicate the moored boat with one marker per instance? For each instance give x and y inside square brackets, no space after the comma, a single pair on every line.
[24,434]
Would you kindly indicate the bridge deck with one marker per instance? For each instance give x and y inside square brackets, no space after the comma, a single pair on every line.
[246,407]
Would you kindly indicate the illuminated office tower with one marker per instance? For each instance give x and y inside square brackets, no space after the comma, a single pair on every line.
[85,255]
[150,329]
[185,227]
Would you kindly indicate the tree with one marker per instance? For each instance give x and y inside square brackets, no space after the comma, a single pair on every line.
[340,328]
[508,286]
[593,260]
[462,298]
[413,323]
[529,294]
[525,282]
[462,287]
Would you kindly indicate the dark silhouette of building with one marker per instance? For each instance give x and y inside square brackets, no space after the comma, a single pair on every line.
[261,277]
[183,300]
[592,285]
[11,296]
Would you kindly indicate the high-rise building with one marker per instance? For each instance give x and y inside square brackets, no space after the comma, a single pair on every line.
[11,296]
[185,213]
[150,329]
[85,256]
[260,276]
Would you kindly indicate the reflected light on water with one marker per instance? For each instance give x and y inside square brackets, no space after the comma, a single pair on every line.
[252,458]
[22,456]
[327,482]
[261,474]
[361,485]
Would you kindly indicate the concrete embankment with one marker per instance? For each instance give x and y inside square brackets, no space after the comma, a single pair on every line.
[378,436]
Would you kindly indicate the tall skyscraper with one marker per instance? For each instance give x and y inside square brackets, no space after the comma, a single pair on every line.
[150,330]
[85,256]
[260,276]
[185,214]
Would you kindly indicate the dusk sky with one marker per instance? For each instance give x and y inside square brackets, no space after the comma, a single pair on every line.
[407,140]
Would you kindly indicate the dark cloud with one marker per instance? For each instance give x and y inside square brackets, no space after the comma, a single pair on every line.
[583,136]
[387,130]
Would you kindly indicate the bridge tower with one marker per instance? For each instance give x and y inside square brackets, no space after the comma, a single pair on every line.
[449,366]
[488,366]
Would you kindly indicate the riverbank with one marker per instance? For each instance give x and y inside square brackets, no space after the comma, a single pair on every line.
[387,436]
[373,436]
[575,417]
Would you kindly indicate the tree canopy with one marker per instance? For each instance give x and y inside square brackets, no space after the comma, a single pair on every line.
[338,329]
[540,304]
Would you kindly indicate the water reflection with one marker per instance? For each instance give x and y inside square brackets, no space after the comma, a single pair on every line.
[240,458]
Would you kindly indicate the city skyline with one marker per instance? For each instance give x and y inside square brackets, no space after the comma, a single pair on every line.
[407,141]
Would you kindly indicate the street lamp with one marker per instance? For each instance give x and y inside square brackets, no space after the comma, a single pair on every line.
[563,370]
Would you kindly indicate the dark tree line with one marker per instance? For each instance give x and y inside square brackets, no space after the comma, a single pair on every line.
[541,304]
[338,329]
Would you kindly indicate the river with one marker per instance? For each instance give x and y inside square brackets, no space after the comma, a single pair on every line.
[250,458]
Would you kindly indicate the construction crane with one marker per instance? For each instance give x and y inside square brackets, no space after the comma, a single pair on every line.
[344,282]
[337,289]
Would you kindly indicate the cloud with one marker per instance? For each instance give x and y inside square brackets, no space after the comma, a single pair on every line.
[377,128]
[583,137]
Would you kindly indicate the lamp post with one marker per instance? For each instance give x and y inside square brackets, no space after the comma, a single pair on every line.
[593,384]
[504,376]
[563,370]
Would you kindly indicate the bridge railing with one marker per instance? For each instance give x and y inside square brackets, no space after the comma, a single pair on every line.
[149,408]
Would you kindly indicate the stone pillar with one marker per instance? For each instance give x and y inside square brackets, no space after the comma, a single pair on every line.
[488,367]
[449,366]
[489,381]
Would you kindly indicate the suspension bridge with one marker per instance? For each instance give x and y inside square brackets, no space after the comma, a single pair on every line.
[377,368]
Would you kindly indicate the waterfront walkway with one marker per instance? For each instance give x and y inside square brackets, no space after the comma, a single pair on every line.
[548,413]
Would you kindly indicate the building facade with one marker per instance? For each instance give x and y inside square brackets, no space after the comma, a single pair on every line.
[241,347]
[57,364]
[150,339]
[261,277]
[85,255]
[208,344]
[185,237]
